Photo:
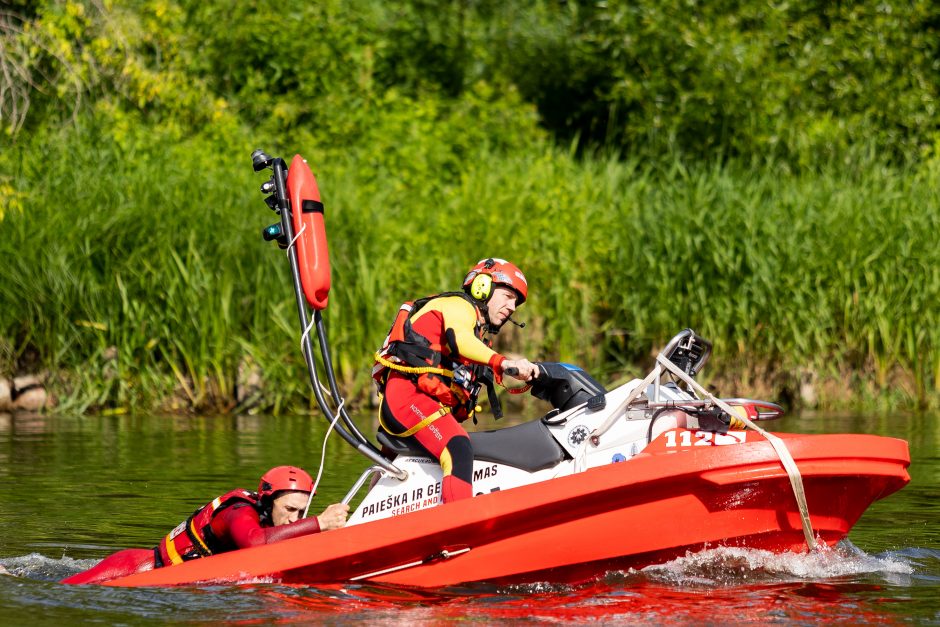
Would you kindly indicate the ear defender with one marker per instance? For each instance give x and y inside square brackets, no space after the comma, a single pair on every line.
[481,287]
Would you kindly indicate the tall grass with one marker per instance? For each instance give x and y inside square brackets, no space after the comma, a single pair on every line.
[141,279]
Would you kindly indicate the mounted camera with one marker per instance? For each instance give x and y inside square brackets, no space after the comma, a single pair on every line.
[260,160]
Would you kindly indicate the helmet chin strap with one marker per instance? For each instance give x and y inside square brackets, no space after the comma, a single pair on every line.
[491,327]
[264,512]
[495,328]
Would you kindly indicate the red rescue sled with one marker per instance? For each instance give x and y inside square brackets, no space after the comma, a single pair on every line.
[655,507]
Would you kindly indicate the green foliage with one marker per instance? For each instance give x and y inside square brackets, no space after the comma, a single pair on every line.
[148,293]
[763,173]
[798,81]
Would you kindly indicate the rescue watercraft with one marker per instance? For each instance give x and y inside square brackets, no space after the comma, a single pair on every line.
[606,480]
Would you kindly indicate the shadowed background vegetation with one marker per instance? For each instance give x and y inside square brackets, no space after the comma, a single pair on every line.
[767,174]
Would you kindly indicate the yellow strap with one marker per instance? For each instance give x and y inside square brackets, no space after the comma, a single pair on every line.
[443,411]
[192,528]
[413,370]
[171,551]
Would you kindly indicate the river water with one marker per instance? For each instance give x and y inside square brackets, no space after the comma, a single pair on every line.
[74,489]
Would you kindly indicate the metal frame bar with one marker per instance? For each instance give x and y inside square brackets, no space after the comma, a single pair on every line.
[347,430]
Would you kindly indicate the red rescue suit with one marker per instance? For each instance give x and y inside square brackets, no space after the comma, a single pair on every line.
[229,522]
[429,371]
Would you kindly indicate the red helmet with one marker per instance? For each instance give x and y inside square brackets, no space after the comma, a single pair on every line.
[488,272]
[284,478]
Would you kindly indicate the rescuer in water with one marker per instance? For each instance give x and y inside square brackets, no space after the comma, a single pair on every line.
[236,520]
[437,358]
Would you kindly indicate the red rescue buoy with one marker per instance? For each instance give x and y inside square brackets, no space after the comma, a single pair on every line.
[312,254]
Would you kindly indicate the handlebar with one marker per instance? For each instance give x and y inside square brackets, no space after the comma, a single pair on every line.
[513,371]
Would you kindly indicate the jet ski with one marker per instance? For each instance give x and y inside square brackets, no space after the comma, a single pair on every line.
[606,480]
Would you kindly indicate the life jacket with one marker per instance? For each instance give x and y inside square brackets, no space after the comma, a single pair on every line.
[437,369]
[193,538]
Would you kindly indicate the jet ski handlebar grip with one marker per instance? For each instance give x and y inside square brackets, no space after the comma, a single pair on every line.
[513,371]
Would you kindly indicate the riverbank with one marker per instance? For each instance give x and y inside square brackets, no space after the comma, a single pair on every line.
[820,287]
[793,225]
[251,393]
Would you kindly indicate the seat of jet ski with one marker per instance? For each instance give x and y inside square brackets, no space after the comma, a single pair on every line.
[529,446]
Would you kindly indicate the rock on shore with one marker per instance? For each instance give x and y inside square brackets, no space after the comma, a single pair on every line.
[25,393]
[6,394]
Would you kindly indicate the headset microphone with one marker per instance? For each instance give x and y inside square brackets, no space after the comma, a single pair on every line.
[521,325]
